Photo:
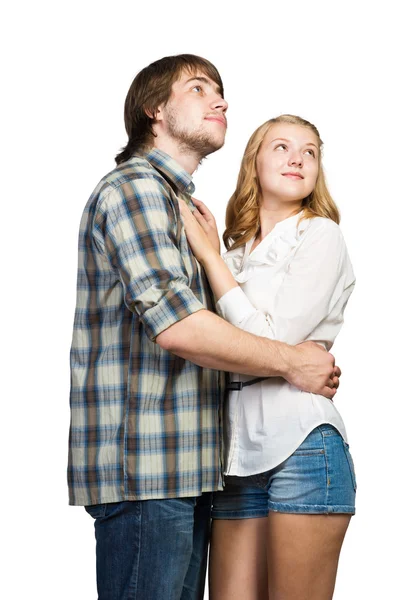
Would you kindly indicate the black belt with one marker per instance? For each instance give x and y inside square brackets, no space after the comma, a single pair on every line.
[236,386]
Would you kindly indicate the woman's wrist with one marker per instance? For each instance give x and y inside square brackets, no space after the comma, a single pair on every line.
[211,259]
[219,276]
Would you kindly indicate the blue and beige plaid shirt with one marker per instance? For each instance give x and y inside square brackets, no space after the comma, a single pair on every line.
[144,422]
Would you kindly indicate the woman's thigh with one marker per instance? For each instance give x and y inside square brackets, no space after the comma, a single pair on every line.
[311,501]
[238,560]
[303,553]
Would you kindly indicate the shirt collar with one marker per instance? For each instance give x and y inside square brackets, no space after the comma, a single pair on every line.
[171,169]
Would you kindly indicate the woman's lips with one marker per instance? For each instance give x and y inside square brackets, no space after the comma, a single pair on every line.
[293,175]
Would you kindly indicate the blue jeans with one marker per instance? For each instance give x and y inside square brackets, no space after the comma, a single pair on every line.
[152,549]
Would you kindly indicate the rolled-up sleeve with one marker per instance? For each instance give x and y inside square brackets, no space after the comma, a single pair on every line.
[310,301]
[138,226]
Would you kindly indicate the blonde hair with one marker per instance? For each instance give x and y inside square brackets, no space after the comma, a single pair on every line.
[243,210]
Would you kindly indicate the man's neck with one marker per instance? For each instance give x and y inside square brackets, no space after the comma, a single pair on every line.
[186,159]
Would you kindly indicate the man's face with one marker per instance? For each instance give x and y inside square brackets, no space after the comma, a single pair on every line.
[194,115]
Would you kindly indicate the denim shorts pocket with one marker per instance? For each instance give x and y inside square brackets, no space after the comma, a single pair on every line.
[96,510]
[308,451]
[351,463]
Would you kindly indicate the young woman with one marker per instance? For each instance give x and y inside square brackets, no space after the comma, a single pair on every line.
[290,485]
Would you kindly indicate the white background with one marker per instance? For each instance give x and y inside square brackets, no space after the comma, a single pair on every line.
[66,70]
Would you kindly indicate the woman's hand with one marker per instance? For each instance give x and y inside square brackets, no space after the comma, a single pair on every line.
[200,243]
[219,276]
[206,219]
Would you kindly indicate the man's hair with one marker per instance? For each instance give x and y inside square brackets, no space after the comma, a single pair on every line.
[150,89]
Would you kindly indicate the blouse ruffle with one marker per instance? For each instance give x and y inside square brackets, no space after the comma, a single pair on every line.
[274,248]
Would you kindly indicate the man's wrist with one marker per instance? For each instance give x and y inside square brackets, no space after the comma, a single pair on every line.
[285,360]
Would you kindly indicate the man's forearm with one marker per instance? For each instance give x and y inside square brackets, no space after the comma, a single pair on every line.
[209,341]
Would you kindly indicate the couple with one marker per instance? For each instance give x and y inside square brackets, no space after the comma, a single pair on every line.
[148,354]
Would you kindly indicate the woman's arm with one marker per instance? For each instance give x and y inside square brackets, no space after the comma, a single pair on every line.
[233,304]
[243,314]
[310,301]
[218,274]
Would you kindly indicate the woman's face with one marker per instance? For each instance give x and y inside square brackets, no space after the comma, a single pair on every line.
[287,163]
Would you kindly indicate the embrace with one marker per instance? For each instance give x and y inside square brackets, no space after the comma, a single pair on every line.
[202,385]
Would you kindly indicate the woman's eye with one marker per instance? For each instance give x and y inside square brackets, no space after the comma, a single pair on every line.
[311,152]
[281,146]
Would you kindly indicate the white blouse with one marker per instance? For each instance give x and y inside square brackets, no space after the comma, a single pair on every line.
[294,287]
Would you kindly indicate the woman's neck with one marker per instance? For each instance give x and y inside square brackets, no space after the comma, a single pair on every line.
[270,216]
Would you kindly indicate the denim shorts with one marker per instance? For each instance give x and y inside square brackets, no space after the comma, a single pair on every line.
[318,478]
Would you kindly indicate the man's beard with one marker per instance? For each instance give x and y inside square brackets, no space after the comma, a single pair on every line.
[200,142]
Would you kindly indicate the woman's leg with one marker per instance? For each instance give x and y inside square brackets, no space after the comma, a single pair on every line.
[238,560]
[303,554]
[311,500]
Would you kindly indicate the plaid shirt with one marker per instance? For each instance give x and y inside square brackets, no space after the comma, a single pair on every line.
[144,422]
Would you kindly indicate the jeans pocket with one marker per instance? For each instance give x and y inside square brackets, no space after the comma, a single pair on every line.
[308,452]
[351,464]
[96,510]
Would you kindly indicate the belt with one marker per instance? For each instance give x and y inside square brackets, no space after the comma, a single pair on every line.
[236,386]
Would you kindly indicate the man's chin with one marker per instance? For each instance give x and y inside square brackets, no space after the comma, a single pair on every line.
[213,146]
[202,146]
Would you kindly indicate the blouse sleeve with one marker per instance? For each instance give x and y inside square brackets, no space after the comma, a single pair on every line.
[311,299]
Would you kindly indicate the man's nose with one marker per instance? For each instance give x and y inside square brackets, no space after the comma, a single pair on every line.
[219,103]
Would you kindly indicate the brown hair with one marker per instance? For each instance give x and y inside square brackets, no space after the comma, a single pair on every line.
[152,88]
[243,210]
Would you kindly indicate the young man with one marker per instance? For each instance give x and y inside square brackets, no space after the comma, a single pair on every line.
[145,397]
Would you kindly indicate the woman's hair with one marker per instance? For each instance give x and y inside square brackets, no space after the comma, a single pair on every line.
[150,89]
[243,210]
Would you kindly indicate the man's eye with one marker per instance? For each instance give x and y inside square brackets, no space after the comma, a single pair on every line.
[197,88]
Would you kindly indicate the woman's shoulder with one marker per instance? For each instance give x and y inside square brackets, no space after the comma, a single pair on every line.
[326,236]
[322,223]
[323,226]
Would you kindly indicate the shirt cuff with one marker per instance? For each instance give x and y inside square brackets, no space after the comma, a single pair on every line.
[171,309]
[234,306]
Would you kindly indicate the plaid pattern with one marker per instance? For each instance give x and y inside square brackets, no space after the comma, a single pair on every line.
[144,423]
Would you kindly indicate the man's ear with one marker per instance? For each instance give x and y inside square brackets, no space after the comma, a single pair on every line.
[154,115]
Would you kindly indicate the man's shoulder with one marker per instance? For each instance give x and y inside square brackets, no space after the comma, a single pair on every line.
[135,177]
[133,172]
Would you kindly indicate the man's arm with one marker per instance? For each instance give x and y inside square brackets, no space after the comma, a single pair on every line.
[209,341]
[136,227]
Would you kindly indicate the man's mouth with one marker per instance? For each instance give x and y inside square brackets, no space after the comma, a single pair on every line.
[217,119]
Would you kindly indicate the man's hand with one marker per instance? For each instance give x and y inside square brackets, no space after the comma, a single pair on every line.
[312,369]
